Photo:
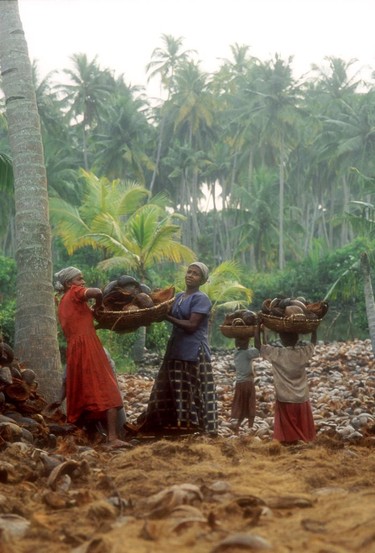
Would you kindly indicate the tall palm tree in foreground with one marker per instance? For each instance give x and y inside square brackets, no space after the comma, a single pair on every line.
[35,325]
[7,245]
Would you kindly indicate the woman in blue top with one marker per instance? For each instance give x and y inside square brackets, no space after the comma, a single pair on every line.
[183,396]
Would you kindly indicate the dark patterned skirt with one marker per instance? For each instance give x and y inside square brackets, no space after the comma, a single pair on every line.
[183,397]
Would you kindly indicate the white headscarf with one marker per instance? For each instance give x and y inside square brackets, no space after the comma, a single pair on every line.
[64,276]
[203,269]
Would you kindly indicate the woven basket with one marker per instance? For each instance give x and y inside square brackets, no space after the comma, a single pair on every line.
[129,321]
[238,331]
[295,323]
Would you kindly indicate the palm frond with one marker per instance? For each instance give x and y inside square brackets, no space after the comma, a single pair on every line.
[67,222]
[119,262]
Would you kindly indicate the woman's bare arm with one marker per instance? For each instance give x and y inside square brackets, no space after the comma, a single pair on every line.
[189,325]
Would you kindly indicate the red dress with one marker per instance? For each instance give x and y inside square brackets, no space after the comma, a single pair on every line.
[91,387]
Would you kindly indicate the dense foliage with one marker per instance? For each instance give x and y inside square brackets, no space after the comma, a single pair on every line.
[254,166]
[346,318]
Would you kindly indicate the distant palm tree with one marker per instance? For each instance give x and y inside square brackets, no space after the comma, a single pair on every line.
[164,63]
[191,111]
[278,97]
[165,60]
[120,139]
[62,157]
[86,95]
[369,297]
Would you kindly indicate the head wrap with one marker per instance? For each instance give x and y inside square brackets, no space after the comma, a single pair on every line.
[64,276]
[203,269]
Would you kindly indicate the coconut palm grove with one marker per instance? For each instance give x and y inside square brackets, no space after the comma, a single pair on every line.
[266,176]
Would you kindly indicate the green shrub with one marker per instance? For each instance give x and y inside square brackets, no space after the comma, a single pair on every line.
[120,348]
[7,298]
[157,337]
[7,316]
[313,279]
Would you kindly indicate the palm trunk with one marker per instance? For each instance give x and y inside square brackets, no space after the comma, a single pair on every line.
[158,155]
[369,297]
[281,212]
[36,329]
[138,351]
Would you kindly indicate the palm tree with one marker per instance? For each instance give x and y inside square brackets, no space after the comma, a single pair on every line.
[114,218]
[191,110]
[150,236]
[344,120]
[121,139]
[7,205]
[369,297]
[35,324]
[133,236]
[224,287]
[254,221]
[75,224]
[86,94]
[61,148]
[277,96]
[164,63]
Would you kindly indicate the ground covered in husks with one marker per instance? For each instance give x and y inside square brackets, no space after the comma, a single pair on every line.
[200,494]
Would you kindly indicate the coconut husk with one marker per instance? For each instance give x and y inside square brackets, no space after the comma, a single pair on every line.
[6,354]
[17,391]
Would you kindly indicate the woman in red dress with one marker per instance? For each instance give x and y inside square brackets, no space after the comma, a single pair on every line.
[91,387]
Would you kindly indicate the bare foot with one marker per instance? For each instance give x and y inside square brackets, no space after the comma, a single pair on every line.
[117,444]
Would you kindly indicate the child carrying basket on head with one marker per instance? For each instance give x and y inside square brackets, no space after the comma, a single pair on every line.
[244,400]
[293,420]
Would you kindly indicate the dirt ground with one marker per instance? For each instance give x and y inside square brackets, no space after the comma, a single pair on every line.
[192,494]
[200,494]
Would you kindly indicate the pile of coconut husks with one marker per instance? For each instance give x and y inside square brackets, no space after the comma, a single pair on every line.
[234,492]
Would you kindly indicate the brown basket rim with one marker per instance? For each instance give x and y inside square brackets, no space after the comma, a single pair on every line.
[289,324]
[128,321]
[243,331]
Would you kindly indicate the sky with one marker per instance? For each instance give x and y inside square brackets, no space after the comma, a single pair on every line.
[124,33]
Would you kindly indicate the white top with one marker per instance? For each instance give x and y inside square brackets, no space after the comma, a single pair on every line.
[289,374]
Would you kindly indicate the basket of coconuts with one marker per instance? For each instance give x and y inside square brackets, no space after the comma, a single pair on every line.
[128,305]
[295,315]
[240,324]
